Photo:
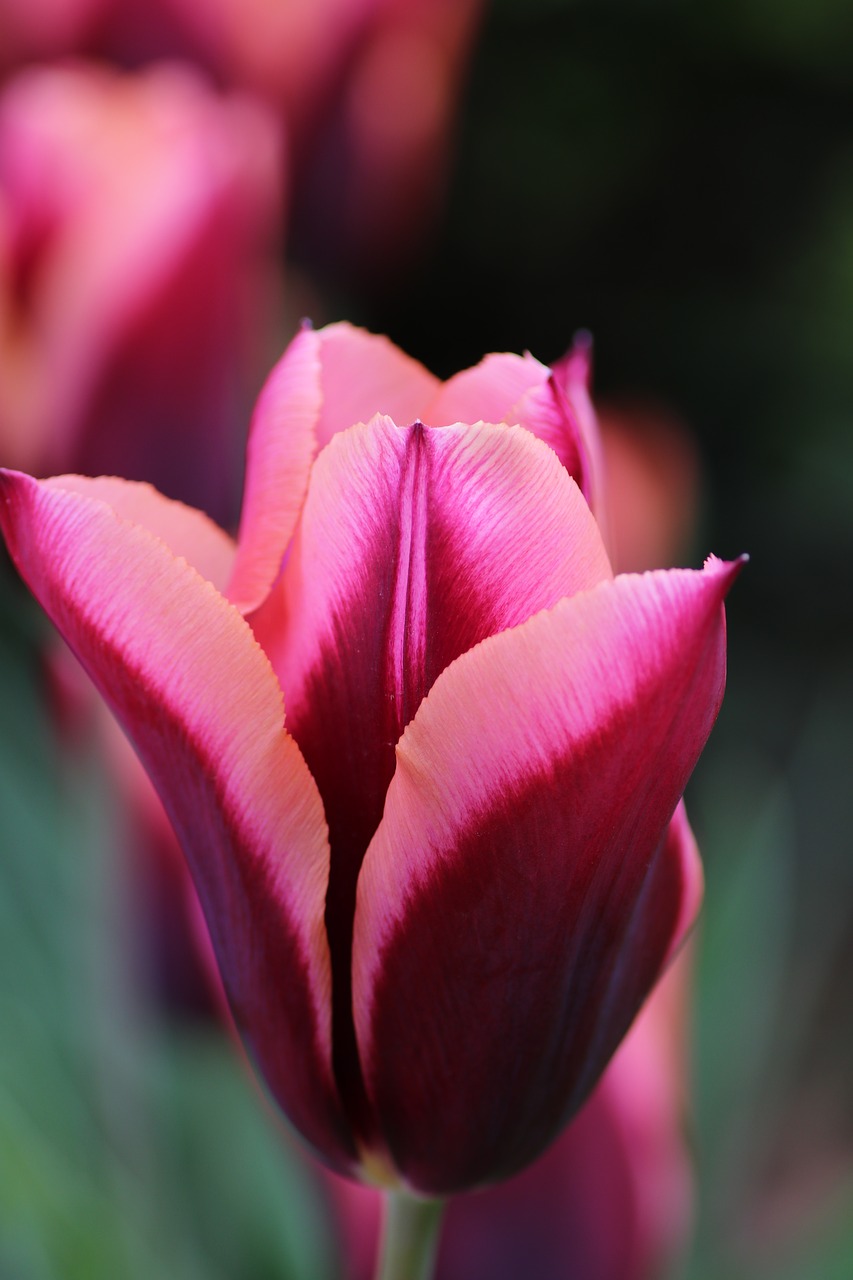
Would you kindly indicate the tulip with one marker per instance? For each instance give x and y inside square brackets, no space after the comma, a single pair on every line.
[439,893]
[135,215]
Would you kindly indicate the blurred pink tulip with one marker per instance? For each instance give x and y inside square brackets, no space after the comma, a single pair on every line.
[652,485]
[137,215]
[461,852]
[369,91]
[308,55]
[374,173]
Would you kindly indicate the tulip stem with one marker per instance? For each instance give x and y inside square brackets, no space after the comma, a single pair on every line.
[409,1238]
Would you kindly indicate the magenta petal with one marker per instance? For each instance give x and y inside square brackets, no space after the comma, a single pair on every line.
[611,1198]
[186,532]
[549,414]
[365,374]
[326,381]
[282,444]
[570,387]
[521,895]
[486,392]
[181,670]
[520,390]
[414,544]
[682,854]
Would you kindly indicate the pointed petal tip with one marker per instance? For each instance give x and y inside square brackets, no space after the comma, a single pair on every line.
[576,365]
[582,343]
[11,482]
[727,570]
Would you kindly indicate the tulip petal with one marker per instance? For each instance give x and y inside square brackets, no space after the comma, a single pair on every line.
[184,530]
[414,544]
[281,447]
[549,413]
[572,377]
[522,892]
[520,390]
[326,381]
[365,374]
[180,669]
[487,391]
[682,850]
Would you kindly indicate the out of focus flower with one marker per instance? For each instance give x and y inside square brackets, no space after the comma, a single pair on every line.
[652,484]
[369,90]
[374,172]
[137,215]
[439,897]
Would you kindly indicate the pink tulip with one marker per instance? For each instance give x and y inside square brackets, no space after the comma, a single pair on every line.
[302,52]
[135,216]
[440,894]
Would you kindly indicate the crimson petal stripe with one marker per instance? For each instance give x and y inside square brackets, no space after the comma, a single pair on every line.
[181,670]
[533,790]
[685,852]
[666,908]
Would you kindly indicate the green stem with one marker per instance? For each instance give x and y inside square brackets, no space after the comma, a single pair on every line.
[409,1237]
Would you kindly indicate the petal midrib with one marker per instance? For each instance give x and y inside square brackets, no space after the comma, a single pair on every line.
[409,609]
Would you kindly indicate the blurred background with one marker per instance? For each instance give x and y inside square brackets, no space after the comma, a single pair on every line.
[677,180]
